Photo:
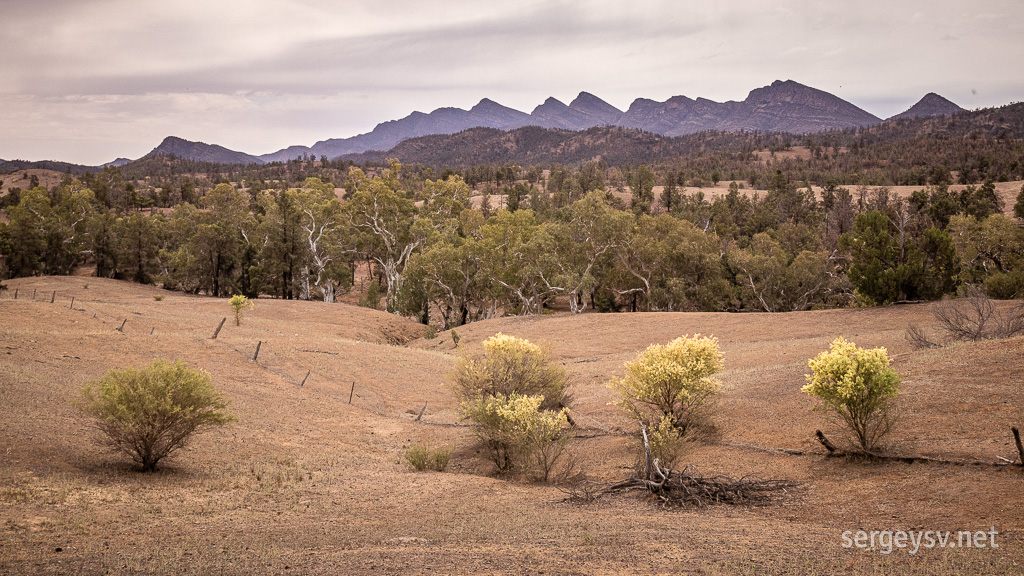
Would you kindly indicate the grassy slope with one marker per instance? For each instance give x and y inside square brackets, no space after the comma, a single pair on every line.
[306,483]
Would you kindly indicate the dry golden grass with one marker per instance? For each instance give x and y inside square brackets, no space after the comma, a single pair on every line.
[305,483]
[1006,191]
[23,179]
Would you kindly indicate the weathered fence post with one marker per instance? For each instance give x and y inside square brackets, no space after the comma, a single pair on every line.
[825,442]
[219,326]
[303,383]
[1020,448]
[257,353]
[351,392]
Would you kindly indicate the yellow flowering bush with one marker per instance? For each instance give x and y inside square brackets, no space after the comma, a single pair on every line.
[517,400]
[518,433]
[857,385]
[511,365]
[672,382]
[240,303]
[666,442]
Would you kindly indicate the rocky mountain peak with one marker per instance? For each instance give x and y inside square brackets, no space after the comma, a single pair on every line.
[931,105]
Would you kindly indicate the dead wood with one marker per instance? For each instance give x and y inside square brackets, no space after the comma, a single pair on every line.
[834,452]
[671,488]
[917,339]
[825,442]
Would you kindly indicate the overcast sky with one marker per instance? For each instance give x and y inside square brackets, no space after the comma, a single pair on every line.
[87,81]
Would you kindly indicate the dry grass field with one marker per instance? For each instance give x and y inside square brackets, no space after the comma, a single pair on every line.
[23,179]
[1006,191]
[307,483]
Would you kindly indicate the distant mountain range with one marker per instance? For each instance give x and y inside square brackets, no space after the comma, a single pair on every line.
[781,107]
[615,145]
[784,106]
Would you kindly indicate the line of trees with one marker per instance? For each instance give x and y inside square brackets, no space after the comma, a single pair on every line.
[442,257]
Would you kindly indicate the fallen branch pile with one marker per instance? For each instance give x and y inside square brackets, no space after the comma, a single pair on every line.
[682,488]
[672,488]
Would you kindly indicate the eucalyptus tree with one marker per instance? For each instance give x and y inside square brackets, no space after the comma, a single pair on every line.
[772,280]
[590,232]
[518,263]
[445,273]
[385,221]
[321,221]
[672,264]
[213,246]
[48,233]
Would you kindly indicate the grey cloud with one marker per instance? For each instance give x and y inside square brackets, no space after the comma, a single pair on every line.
[428,58]
[272,72]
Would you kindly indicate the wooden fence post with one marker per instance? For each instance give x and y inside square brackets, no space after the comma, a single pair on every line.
[219,326]
[257,353]
[1020,448]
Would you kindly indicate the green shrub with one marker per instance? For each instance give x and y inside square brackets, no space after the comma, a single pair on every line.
[240,303]
[423,458]
[857,385]
[150,413]
[671,385]
[158,297]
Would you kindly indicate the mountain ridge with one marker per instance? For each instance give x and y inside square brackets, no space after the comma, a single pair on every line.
[783,106]
[616,145]
[200,151]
